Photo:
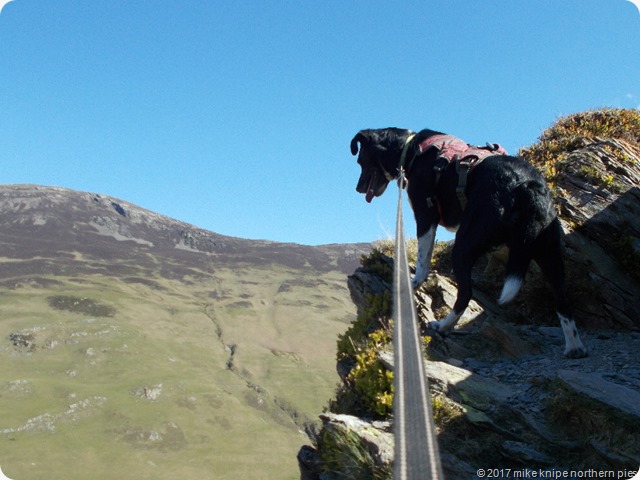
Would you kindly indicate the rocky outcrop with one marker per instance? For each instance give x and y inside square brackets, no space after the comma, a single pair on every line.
[502,394]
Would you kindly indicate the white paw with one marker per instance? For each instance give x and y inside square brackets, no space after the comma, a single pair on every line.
[447,323]
[576,352]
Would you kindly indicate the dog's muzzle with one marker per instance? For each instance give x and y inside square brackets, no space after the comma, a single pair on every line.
[370,193]
[372,185]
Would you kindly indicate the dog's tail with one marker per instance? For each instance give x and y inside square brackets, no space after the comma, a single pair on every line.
[510,288]
[531,213]
[520,256]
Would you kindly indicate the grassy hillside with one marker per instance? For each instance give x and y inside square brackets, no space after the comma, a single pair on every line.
[103,378]
[135,346]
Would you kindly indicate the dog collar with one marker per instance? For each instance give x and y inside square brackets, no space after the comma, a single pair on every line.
[405,149]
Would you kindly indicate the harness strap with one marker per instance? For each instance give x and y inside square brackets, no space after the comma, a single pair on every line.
[463,167]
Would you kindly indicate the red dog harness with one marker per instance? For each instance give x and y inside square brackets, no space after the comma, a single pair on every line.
[453,149]
[466,157]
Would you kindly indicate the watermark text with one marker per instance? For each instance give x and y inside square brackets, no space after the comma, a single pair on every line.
[555,473]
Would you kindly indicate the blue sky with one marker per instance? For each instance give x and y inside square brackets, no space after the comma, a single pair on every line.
[237,116]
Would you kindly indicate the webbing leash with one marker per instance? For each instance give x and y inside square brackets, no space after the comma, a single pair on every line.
[416,448]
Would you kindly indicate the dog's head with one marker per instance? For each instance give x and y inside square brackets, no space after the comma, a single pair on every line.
[380,152]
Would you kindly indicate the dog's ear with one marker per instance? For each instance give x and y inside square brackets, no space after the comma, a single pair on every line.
[363,137]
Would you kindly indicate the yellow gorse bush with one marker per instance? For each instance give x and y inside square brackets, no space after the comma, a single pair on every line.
[575,131]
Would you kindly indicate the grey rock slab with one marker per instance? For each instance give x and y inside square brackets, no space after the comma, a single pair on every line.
[475,390]
[597,388]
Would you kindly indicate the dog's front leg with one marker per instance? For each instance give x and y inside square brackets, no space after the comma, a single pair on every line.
[426,242]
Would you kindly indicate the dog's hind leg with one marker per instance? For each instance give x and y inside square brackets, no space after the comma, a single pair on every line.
[548,255]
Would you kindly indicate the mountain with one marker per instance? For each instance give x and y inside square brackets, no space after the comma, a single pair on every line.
[50,226]
[505,402]
[133,345]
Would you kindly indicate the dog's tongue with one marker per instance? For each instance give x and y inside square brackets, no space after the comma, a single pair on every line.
[369,195]
[370,192]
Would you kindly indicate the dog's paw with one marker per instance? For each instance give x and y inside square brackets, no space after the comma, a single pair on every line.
[578,352]
[435,326]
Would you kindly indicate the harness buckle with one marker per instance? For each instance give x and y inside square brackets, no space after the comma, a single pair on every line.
[441,164]
[402,179]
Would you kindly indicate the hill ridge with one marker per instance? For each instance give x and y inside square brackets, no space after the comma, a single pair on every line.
[39,219]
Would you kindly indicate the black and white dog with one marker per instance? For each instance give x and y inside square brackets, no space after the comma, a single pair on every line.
[490,198]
